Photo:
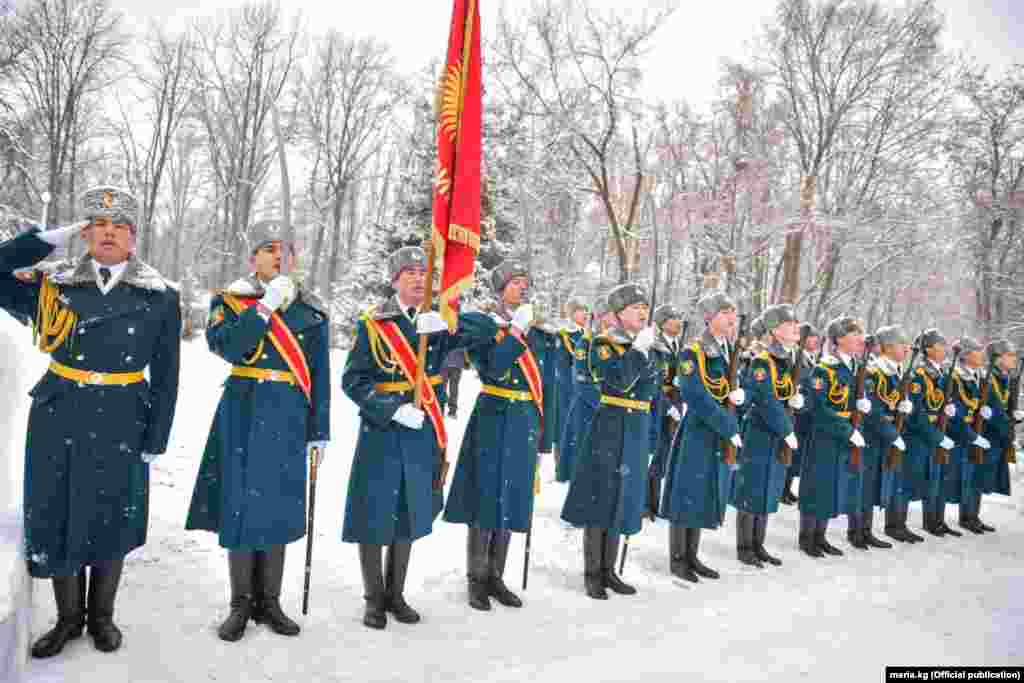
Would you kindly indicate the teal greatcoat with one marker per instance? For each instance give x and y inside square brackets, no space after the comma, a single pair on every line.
[86,487]
[493,483]
[922,436]
[761,477]
[698,482]
[581,412]
[609,486]
[879,431]
[564,347]
[251,486]
[390,488]
[958,475]
[826,477]
[666,354]
[993,475]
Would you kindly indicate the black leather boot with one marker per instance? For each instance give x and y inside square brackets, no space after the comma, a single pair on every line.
[593,548]
[821,540]
[806,540]
[788,497]
[70,617]
[745,540]
[104,578]
[374,593]
[270,567]
[930,521]
[692,544]
[867,533]
[679,565]
[496,588]
[241,564]
[904,512]
[478,568]
[398,567]
[608,557]
[894,525]
[855,532]
[984,527]
[760,533]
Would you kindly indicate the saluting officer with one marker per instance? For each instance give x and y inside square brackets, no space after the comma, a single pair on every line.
[698,481]
[95,422]
[492,491]
[391,498]
[608,492]
[275,410]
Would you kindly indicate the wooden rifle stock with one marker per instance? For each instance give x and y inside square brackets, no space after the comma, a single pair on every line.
[977,453]
[728,448]
[941,454]
[895,456]
[856,417]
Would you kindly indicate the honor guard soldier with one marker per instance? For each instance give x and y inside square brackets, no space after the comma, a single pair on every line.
[95,423]
[698,481]
[882,388]
[923,472]
[808,359]
[493,488]
[564,356]
[585,398]
[992,475]
[668,408]
[827,474]
[766,426]
[274,413]
[958,475]
[608,492]
[392,497]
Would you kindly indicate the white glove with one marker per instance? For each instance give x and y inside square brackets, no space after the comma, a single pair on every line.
[277,292]
[982,442]
[986,413]
[899,444]
[644,340]
[737,397]
[857,440]
[950,410]
[1018,415]
[430,322]
[905,407]
[864,405]
[321,450]
[58,237]
[791,438]
[796,401]
[409,416]
[149,458]
[736,441]
[673,412]
[523,317]
[683,411]
[947,444]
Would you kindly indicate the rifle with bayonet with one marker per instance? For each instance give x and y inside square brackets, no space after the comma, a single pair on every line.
[895,456]
[786,453]
[942,455]
[977,453]
[856,417]
[728,448]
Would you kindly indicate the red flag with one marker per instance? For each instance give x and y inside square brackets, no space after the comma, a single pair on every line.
[456,224]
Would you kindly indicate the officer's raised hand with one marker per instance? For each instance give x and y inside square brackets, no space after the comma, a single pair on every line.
[59,237]
[278,291]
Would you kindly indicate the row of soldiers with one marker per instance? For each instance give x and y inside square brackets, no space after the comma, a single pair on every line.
[646,422]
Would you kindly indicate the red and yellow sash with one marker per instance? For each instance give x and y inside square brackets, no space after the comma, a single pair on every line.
[528,364]
[283,340]
[405,356]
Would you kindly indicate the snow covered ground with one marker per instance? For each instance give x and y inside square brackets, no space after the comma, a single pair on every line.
[945,601]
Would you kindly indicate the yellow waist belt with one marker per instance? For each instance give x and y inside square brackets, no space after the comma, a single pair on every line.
[626,403]
[398,387]
[510,394]
[90,377]
[263,374]
[845,414]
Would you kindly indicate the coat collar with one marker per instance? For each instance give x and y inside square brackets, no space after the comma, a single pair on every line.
[710,345]
[79,273]
[250,286]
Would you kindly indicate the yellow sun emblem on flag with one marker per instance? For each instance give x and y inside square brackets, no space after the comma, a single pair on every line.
[450,95]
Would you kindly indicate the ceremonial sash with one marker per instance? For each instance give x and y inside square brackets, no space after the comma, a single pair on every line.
[528,364]
[283,340]
[405,356]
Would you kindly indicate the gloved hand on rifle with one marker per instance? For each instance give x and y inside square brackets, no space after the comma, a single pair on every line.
[864,405]
[796,401]
[982,443]
[409,416]
[737,397]
[986,413]
[950,410]
[736,441]
[674,413]
[899,444]
[857,440]
[791,441]
[947,444]
[905,407]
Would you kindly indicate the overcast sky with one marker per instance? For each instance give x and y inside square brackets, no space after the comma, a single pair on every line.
[684,56]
